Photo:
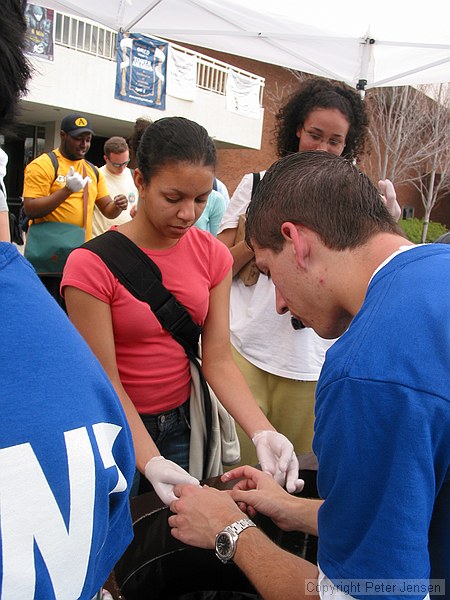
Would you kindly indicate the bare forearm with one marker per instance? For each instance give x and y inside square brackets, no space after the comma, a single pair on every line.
[274,572]
[40,207]
[242,254]
[109,209]
[288,512]
[232,390]
[144,447]
[303,517]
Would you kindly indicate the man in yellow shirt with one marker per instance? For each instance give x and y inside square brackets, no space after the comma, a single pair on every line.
[57,194]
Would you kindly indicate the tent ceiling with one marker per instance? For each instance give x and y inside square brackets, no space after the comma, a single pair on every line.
[291,38]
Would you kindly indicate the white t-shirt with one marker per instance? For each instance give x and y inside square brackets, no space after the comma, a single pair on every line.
[116,184]
[258,332]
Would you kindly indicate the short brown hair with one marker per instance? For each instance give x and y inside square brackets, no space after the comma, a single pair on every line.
[324,192]
[115,145]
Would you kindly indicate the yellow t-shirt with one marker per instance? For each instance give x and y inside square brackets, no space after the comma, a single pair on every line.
[39,181]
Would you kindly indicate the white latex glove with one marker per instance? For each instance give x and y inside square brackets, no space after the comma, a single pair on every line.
[74,181]
[163,474]
[390,198]
[277,457]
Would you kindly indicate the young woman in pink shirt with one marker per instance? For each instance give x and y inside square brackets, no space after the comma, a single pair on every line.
[148,368]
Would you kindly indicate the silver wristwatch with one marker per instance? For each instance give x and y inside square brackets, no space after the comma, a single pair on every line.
[226,539]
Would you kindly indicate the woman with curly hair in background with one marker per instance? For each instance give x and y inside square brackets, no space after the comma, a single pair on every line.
[280,359]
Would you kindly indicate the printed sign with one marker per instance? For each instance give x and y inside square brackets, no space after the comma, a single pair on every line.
[39,35]
[141,70]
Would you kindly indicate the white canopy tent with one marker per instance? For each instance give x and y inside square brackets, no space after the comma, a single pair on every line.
[389,43]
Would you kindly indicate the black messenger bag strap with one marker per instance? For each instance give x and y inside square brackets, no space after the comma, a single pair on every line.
[142,278]
[256,180]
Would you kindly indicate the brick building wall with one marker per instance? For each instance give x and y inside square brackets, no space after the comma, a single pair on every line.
[279,82]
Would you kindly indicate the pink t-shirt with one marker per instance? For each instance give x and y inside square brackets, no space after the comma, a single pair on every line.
[153,367]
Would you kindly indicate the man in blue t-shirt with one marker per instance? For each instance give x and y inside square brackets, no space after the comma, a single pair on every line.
[342,266]
[66,453]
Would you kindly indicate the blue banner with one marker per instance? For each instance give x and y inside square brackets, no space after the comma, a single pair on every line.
[141,70]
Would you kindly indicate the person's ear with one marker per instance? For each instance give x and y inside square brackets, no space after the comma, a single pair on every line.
[138,180]
[105,157]
[295,237]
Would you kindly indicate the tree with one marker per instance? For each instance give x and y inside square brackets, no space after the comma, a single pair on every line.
[432,170]
[410,137]
[396,126]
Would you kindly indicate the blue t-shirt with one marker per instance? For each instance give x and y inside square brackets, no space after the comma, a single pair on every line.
[382,431]
[211,216]
[66,452]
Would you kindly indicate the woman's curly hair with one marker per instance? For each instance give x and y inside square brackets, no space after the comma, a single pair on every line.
[321,93]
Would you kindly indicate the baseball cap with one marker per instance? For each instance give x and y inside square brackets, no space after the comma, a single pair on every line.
[74,124]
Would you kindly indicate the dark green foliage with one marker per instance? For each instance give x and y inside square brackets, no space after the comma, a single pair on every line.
[414,227]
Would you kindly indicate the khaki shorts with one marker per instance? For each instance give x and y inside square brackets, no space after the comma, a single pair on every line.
[287,403]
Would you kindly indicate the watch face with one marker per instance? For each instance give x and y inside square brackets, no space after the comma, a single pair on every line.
[224,546]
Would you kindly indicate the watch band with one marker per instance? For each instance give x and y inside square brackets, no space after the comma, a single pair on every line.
[226,539]
[238,526]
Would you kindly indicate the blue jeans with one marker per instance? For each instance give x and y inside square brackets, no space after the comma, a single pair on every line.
[171,432]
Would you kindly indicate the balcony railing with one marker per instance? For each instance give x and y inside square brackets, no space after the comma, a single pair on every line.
[87,36]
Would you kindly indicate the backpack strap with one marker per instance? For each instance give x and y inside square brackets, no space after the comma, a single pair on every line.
[93,167]
[256,180]
[54,159]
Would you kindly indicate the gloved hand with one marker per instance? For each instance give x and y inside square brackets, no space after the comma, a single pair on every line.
[163,474]
[277,457]
[74,181]
[390,198]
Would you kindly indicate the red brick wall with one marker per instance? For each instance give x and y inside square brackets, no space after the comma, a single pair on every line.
[279,82]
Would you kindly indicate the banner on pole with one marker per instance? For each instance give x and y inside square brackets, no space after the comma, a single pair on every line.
[141,70]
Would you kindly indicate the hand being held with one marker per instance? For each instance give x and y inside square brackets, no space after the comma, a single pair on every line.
[164,474]
[258,492]
[200,513]
[74,181]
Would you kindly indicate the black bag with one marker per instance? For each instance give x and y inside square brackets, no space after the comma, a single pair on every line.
[156,561]
[15,230]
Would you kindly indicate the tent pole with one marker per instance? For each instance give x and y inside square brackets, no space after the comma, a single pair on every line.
[361,87]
